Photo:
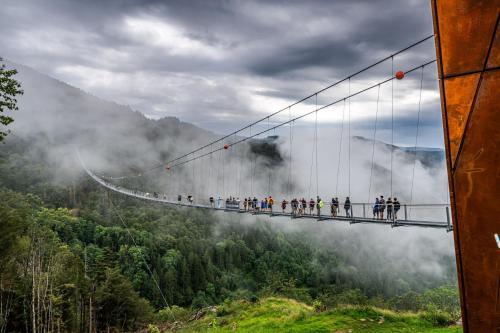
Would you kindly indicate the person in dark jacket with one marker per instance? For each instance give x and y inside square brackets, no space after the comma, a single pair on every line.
[381,207]
[397,207]
[376,205]
[347,207]
[389,209]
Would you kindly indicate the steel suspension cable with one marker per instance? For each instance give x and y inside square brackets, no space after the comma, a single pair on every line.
[416,134]
[252,161]
[223,176]
[340,151]
[269,169]
[221,139]
[240,159]
[373,147]
[210,190]
[349,135]
[308,113]
[316,145]
[290,155]
[392,118]
[311,168]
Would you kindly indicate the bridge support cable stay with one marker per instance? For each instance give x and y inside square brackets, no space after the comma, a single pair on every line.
[416,135]
[373,146]
[392,121]
[340,150]
[355,218]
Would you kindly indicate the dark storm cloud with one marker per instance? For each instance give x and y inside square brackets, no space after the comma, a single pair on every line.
[227,61]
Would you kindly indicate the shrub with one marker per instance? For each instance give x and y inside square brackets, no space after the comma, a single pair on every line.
[153,329]
[351,297]
[437,317]
[174,313]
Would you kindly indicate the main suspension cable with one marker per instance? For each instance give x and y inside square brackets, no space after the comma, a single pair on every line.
[303,115]
[221,139]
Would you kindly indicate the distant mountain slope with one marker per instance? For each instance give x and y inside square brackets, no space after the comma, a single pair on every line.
[56,114]
[429,157]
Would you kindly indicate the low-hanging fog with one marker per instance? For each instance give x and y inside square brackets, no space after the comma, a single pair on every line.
[114,140]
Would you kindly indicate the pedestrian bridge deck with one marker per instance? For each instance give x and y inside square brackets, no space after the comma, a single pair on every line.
[358,211]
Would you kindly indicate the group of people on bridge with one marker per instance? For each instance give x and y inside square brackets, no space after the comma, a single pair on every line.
[302,207]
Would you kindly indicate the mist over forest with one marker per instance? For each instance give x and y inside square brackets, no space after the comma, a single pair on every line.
[200,258]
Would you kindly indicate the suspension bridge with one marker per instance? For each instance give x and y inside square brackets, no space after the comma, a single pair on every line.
[227,170]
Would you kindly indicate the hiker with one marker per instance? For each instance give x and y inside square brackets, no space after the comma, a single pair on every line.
[219,202]
[333,207]
[381,207]
[211,202]
[179,198]
[245,204]
[283,205]
[319,205]
[347,207]
[255,204]
[389,209]
[270,203]
[311,206]
[304,206]
[376,205]
[397,207]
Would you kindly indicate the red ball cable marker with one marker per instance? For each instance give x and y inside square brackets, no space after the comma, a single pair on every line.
[167,168]
[400,75]
[226,146]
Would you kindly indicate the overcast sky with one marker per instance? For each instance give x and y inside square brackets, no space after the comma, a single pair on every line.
[221,64]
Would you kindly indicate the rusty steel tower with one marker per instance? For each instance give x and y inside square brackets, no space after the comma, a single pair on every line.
[468,53]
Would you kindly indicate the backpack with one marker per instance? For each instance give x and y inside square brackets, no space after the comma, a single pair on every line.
[321,204]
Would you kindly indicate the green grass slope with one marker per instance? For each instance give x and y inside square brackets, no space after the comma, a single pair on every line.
[284,315]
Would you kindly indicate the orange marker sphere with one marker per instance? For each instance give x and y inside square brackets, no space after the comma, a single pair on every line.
[226,146]
[400,75]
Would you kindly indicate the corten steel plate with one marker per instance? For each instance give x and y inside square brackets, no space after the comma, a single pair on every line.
[468,52]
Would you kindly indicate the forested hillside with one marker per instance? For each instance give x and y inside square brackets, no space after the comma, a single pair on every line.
[74,255]
[75,258]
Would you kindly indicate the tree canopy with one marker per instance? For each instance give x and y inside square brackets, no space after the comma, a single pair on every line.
[9,89]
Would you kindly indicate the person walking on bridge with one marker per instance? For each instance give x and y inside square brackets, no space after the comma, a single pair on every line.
[319,205]
[389,209]
[347,207]
[397,207]
[270,203]
[381,208]
[333,210]
[303,202]
[312,203]
[283,205]
[293,204]
[376,205]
